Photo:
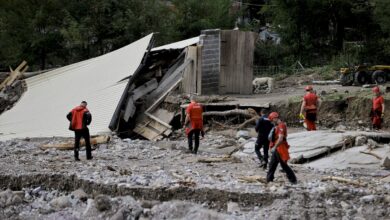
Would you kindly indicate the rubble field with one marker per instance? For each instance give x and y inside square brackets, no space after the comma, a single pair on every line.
[137,179]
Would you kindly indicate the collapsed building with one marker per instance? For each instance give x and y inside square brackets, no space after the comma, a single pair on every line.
[125,89]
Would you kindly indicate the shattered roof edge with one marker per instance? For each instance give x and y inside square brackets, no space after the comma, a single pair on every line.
[178,45]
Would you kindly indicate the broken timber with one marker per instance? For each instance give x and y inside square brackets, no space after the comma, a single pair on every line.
[343,180]
[152,127]
[70,144]
[135,95]
[372,154]
[14,75]
[250,113]
[219,159]
[253,179]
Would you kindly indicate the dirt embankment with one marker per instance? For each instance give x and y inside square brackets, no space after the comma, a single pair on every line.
[351,111]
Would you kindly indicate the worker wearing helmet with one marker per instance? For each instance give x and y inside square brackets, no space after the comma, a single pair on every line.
[279,149]
[378,109]
[309,108]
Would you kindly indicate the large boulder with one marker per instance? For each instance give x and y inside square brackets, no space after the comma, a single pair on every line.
[103,202]
[61,202]
[386,163]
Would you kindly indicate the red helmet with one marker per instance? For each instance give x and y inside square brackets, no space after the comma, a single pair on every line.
[309,88]
[273,115]
[376,89]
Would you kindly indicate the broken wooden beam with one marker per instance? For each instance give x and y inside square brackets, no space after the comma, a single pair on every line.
[343,180]
[252,120]
[14,75]
[243,112]
[137,94]
[70,144]
[372,154]
[253,179]
[218,159]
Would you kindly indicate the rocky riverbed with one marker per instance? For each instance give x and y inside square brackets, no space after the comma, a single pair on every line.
[136,179]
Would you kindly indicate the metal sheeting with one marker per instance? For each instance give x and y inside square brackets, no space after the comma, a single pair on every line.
[178,45]
[50,96]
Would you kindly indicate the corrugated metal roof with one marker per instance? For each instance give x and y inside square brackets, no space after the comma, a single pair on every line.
[178,45]
[50,96]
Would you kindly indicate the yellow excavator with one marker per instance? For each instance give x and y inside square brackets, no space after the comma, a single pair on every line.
[364,74]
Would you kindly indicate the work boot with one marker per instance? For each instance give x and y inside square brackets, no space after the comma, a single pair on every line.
[76,155]
[265,166]
[89,158]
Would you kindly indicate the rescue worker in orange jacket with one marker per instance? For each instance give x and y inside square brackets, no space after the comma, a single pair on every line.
[378,108]
[279,149]
[193,124]
[80,118]
[310,105]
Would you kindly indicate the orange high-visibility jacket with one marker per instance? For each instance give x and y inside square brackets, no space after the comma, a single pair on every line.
[195,112]
[311,102]
[377,103]
[283,147]
[77,117]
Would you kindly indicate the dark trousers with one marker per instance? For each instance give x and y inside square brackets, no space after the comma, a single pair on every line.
[84,134]
[193,132]
[275,160]
[265,145]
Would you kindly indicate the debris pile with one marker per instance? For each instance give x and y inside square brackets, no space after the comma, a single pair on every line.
[12,87]
[154,180]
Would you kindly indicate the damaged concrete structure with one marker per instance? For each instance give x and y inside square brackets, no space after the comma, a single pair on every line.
[125,89]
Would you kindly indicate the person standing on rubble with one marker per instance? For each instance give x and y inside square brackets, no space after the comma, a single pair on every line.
[80,118]
[279,149]
[263,128]
[193,124]
[378,109]
[310,105]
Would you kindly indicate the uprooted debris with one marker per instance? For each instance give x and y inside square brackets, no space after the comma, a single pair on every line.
[176,186]
[12,87]
[69,145]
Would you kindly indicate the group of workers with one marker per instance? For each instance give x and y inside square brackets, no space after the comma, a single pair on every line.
[272,131]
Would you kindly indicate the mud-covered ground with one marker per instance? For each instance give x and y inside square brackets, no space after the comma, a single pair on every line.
[135,179]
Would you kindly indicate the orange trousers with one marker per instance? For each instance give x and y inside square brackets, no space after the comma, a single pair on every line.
[310,125]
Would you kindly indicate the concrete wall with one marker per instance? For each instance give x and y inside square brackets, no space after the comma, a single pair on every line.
[210,40]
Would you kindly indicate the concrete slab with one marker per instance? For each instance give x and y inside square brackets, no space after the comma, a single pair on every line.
[350,158]
[308,145]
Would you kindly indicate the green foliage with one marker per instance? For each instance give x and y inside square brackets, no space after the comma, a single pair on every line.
[382,14]
[49,33]
[195,15]
[316,31]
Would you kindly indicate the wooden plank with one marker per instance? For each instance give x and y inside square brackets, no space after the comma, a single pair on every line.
[136,94]
[69,145]
[171,76]
[153,127]
[240,61]
[14,75]
[250,38]
[199,70]
[174,79]
[189,76]
[223,62]
[152,130]
[145,89]
[130,109]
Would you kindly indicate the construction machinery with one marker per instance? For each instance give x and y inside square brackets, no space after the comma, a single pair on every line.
[364,74]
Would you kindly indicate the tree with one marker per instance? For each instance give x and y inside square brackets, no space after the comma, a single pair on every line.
[192,16]
[382,14]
